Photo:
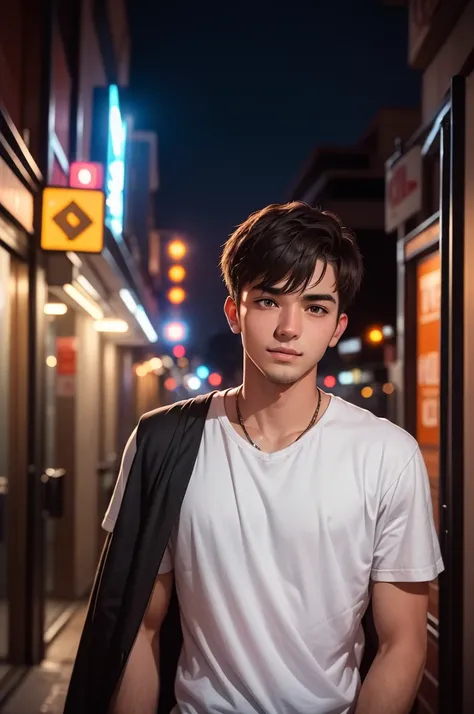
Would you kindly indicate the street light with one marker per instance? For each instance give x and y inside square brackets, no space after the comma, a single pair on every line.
[375,335]
[174,332]
[176,273]
[176,250]
[176,296]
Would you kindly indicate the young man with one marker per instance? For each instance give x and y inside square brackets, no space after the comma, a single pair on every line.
[300,508]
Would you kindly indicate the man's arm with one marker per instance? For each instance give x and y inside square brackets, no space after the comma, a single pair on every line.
[139,687]
[400,613]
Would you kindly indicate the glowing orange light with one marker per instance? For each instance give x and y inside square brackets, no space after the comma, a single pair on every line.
[176,296]
[215,379]
[176,249]
[179,351]
[366,392]
[330,381]
[375,336]
[170,384]
[176,273]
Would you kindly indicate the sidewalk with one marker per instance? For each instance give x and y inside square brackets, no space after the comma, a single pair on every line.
[43,691]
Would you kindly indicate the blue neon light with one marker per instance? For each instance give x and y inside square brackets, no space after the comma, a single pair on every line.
[115,170]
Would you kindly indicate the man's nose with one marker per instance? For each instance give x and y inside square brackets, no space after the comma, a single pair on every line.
[289,325]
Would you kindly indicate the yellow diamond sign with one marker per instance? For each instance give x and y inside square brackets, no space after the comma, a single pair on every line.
[72,219]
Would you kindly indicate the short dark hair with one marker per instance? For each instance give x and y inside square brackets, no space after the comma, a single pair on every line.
[283,242]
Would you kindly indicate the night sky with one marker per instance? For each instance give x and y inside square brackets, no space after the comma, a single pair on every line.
[240,96]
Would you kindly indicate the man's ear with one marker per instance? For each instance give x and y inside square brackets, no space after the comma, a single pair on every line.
[340,329]
[232,315]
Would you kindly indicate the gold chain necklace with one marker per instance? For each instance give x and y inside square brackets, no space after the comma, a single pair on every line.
[242,425]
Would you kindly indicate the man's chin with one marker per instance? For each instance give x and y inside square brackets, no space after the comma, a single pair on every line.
[282,376]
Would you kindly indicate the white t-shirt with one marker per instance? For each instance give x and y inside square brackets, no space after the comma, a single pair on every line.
[273,555]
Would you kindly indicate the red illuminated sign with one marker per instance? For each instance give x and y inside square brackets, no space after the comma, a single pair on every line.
[86,174]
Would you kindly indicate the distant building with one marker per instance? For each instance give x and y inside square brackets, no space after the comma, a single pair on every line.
[142,186]
[350,181]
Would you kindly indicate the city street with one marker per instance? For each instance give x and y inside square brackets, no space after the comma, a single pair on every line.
[44,688]
[223,229]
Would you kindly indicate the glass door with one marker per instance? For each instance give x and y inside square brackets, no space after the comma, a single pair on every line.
[57,608]
[4,442]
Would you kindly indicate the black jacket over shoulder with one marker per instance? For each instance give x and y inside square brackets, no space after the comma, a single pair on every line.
[168,442]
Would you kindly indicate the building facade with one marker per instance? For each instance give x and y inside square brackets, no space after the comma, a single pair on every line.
[429,209]
[67,396]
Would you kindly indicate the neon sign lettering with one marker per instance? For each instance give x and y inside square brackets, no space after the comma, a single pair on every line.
[115,181]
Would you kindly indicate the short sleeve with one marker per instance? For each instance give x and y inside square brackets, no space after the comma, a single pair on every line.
[113,509]
[128,455]
[406,543]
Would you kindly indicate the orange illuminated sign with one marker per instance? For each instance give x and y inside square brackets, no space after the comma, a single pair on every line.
[428,348]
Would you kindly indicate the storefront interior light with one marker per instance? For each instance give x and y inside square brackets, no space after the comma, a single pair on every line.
[55,308]
[86,285]
[110,325]
[128,300]
[156,363]
[139,313]
[74,259]
[85,302]
[145,324]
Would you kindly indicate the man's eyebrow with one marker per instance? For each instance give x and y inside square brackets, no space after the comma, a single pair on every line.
[307,297]
[319,297]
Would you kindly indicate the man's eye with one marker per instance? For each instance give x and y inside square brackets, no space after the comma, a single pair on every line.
[266,302]
[317,310]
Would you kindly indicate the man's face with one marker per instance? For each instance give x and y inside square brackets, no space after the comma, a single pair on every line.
[285,336]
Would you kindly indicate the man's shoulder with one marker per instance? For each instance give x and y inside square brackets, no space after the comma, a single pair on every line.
[169,415]
[366,427]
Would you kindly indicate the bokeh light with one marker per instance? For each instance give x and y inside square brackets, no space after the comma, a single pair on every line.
[202,371]
[176,296]
[176,273]
[174,331]
[170,384]
[375,336]
[176,249]
[179,351]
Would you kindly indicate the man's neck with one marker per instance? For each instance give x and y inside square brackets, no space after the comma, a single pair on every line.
[278,412]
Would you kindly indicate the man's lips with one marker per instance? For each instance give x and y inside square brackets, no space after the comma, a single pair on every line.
[285,351]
